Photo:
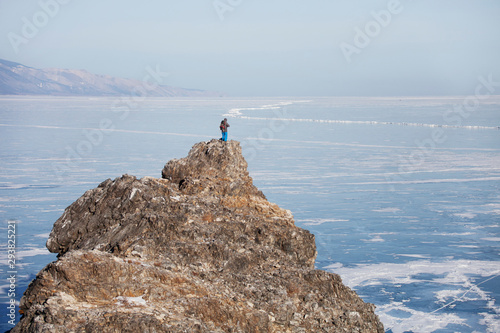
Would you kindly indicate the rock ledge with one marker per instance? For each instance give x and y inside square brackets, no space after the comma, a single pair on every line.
[199,250]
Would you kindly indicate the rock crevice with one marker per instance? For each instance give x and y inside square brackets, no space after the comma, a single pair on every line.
[198,250]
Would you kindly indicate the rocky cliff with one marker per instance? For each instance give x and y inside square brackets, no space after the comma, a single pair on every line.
[198,250]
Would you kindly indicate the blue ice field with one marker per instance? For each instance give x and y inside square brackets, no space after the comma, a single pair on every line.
[402,194]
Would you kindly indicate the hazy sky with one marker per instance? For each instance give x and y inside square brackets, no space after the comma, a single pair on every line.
[265,47]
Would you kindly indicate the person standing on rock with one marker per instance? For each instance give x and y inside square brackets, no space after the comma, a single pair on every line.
[223,127]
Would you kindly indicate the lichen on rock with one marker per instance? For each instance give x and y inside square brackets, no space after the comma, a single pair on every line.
[198,250]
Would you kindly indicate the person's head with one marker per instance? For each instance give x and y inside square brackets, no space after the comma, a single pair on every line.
[225,119]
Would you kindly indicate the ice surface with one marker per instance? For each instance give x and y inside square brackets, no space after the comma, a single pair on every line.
[457,282]
[408,221]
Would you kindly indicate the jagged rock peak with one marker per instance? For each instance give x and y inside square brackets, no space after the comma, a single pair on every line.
[214,166]
[200,250]
[214,158]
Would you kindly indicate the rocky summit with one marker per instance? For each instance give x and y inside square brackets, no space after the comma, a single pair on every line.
[198,250]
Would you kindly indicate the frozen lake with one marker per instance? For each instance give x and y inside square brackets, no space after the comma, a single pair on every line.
[403,194]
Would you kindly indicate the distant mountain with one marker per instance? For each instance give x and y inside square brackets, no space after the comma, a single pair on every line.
[17,79]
